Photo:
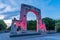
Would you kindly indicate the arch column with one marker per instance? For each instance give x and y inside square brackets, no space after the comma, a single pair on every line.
[23,19]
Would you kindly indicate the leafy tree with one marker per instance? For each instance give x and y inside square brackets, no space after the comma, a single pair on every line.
[57,27]
[57,21]
[3,25]
[31,25]
[50,23]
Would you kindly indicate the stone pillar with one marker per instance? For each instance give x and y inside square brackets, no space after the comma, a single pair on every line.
[23,19]
[13,28]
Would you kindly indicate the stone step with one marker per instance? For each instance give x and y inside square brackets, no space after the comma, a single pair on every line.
[25,34]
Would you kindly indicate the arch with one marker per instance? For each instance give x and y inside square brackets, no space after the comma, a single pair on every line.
[22,23]
[24,10]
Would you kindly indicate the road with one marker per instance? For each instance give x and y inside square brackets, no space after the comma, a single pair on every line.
[56,36]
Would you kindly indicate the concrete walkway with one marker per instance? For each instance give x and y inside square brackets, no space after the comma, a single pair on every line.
[56,36]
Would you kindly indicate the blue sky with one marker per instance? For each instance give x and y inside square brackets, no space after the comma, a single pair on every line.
[11,8]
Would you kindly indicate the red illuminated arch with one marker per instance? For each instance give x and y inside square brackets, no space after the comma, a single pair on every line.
[23,17]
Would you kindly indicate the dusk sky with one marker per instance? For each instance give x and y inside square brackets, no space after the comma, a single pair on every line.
[11,8]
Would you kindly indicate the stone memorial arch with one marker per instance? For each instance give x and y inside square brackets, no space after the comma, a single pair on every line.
[22,23]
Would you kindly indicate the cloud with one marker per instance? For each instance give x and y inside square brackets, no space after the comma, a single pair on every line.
[2,5]
[13,2]
[2,17]
[8,22]
[17,17]
[8,9]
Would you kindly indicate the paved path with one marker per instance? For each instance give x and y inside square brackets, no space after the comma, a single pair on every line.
[5,36]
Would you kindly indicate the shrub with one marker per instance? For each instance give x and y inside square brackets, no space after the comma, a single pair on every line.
[57,27]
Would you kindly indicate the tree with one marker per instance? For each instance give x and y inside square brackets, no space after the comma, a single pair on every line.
[50,23]
[57,21]
[57,25]
[31,25]
[3,25]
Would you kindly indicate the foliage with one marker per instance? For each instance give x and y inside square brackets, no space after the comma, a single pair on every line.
[3,25]
[57,27]
[57,21]
[50,23]
[31,25]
